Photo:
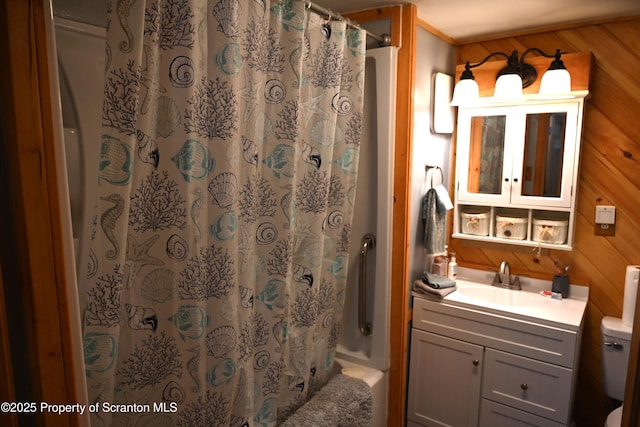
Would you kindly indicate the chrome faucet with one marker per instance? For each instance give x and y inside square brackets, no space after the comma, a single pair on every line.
[504,279]
[505,273]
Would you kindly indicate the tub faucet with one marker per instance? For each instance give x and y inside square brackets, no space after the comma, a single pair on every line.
[504,279]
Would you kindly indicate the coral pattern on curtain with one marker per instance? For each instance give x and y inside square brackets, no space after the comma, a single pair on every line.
[223,210]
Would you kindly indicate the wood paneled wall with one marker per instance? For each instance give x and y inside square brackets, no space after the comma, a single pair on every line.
[609,175]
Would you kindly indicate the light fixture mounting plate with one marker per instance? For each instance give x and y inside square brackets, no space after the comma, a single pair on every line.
[527,72]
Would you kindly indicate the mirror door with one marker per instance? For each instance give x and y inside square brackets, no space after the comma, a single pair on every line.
[484,165]
[543,168]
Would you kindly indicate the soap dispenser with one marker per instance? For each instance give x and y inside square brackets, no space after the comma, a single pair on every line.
[452,272]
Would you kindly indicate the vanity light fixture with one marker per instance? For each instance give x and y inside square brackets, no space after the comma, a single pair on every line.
[556,80]
[514,77]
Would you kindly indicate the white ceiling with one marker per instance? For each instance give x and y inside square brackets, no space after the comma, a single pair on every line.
[464,19]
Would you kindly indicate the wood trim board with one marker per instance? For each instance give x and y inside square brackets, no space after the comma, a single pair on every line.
[30,149]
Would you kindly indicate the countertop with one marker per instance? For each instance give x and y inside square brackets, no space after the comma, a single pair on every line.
[526,304]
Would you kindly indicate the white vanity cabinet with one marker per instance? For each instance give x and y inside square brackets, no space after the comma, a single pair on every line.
[474,368]
[518,161]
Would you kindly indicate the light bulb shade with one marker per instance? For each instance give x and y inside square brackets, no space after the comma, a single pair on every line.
[555,82]
[508,86]
[466,91]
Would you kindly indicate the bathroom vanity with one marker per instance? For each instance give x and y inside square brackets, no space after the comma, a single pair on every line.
[490,357]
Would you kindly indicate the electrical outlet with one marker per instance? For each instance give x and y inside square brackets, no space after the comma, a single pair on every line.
[605,229]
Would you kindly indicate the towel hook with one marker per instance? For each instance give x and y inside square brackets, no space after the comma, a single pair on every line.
[428,168]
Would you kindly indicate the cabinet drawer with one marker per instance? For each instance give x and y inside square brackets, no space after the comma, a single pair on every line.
[536,387]
[518,336]
[493,414]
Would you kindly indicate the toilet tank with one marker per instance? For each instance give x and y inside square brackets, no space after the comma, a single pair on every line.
[616,341]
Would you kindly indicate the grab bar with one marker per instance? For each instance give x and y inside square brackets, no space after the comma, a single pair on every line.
[368,242]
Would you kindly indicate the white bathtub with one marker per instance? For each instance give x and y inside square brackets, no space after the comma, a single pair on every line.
[376,379]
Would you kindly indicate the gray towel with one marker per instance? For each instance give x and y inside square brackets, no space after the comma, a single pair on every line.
[434,219]
[343,402]
[436,281]
[427,290]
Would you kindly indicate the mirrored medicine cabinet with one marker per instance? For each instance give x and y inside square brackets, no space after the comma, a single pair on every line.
[517,171]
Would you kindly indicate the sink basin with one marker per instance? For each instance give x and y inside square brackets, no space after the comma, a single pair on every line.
[487,294]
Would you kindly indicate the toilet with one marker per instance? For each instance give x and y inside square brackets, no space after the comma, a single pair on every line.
[616,341]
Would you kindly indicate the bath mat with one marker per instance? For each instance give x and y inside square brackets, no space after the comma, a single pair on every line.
[343,402]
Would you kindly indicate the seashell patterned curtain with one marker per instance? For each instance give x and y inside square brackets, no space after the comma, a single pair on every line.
[223,210]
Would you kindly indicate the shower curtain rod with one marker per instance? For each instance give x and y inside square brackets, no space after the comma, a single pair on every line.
[383,40]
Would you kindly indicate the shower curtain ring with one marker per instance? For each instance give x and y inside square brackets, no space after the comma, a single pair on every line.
[326,27]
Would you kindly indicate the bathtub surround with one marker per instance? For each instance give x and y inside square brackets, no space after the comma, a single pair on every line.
[372,215]
[227,175]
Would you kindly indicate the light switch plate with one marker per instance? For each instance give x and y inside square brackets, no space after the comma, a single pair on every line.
[605,215]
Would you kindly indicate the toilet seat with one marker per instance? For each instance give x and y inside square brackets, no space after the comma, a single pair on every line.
[614,419]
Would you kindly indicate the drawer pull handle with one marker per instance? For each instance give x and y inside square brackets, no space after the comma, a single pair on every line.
[524,386]
[614,345]
[476,362]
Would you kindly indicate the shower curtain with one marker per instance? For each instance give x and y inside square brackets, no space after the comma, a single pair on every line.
[227,173]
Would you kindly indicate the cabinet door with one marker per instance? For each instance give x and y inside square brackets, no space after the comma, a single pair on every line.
[544,165]
[484,163]
[444,381]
